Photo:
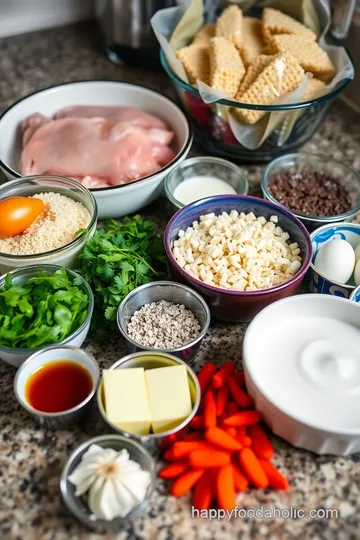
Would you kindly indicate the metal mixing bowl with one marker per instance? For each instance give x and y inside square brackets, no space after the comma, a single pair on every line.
[62,419]
[151,360]
[172,292]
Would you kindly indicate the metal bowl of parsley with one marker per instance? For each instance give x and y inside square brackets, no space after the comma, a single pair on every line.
[40,306]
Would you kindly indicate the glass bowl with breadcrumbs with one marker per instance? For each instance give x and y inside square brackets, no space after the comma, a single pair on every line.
[65,218]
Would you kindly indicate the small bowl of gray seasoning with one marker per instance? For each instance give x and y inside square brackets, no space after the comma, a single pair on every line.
[164,316]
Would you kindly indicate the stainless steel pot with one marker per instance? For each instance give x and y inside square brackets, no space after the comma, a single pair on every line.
[128,36]
[126,30]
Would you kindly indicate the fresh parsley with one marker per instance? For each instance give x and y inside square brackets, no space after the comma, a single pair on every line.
[46,309]
[116,260]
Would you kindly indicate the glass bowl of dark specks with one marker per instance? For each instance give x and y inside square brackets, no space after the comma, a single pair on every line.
[316,188]
[171,292]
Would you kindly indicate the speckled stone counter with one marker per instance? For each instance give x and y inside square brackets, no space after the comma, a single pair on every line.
[31,459]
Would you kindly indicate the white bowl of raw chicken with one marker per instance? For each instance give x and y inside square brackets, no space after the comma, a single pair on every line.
[126,155]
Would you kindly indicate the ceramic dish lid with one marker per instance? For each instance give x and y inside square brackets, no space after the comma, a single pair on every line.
[307,362]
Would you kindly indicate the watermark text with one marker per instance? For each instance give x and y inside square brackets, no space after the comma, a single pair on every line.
[264,513]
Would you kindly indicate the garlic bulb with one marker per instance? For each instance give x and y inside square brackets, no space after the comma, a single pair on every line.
[115,484]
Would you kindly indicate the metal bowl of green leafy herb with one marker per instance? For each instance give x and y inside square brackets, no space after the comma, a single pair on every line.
[116,260]
[41,306]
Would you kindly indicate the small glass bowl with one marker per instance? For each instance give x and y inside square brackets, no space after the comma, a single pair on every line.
[66,255]
[78,506]
[15,356]
[205,166]
[318,163]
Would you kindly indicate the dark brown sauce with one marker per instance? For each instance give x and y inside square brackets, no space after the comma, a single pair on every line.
[58,386]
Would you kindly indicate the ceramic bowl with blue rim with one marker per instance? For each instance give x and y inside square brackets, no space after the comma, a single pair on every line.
[318,282]
[355,295]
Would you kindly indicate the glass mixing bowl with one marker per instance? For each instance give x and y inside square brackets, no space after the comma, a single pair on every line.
[213,132]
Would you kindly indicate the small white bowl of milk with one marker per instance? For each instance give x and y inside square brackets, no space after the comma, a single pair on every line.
[201,177]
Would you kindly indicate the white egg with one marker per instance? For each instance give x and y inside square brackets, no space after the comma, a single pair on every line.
[336,260]
[357,253]
[357,273]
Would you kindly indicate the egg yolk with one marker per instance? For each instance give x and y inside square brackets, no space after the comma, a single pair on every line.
[17,214]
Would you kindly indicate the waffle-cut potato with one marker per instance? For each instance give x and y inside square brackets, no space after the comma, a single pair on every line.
[308,53]
[314,86]
[252,43]
[204,35]
[254,69]
[282,75]
[195,59]
[275,22]
[229,25]
[226,66]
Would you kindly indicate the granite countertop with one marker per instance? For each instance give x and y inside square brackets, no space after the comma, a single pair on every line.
[32,458]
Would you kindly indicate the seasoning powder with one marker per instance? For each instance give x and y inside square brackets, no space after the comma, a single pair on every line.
[163,325]
[55,227]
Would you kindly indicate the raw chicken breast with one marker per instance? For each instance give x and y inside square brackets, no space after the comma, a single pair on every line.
[84,147]
[32,124]
[156,135]
[163,154]
[97,146]
[160,136]
[121,114]
[93,182]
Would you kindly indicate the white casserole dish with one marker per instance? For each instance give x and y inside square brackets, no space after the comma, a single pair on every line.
[113,202]
[302,368]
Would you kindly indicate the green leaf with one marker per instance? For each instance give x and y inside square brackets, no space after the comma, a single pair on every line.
[63,296]
[62,315]
[110,313]
[17,323]
[113,258]
[44,335]
[118,258]
[8,281]
[81,232]
[25,307]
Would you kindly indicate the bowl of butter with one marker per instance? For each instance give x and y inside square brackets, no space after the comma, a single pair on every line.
[148,396]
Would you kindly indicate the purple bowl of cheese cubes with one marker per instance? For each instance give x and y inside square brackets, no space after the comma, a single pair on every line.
[229,236]
[148,396]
